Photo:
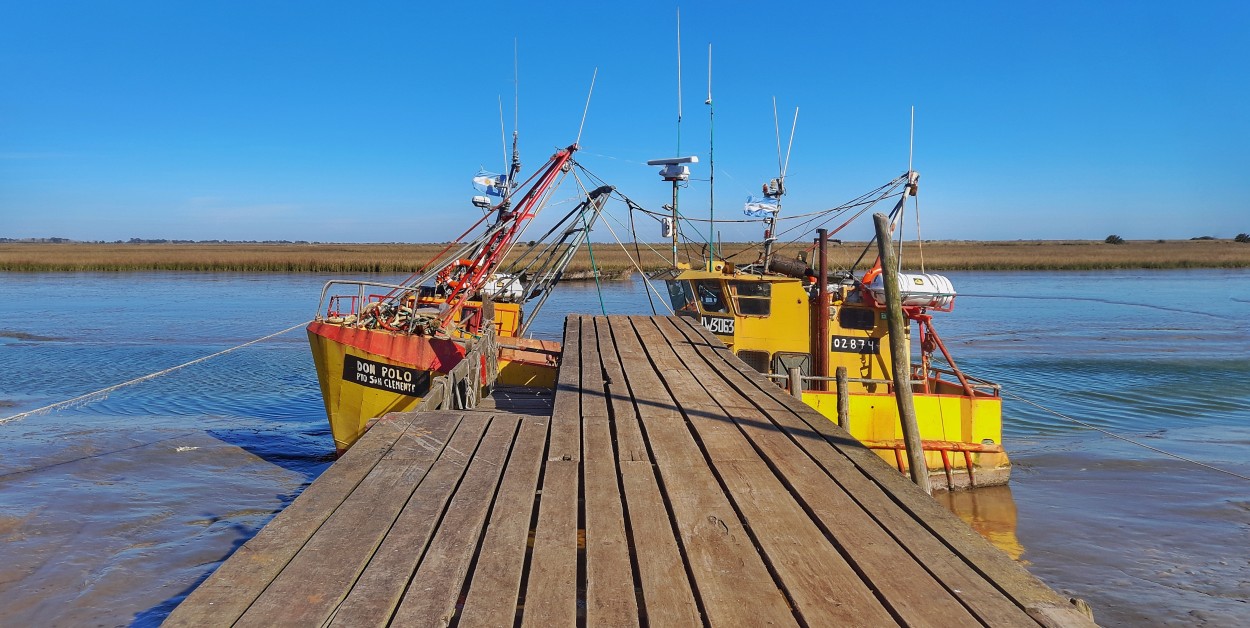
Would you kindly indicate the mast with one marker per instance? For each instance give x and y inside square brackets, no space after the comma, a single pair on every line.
[711,181]
[776,188]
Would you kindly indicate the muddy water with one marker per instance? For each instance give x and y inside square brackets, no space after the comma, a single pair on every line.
[112,510]
[1162,358]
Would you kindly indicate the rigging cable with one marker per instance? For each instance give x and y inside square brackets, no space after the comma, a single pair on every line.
[1125,438]
[590,249]
[104,392]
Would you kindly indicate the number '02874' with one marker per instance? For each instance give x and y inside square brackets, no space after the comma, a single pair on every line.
[847,344]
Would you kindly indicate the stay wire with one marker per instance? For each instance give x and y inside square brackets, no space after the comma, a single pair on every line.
[1125,438]
[104,392]
[590,249]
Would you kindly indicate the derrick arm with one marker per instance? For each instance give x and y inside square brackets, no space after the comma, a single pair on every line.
[470,274]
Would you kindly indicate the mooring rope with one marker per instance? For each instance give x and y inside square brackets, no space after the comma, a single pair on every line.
[104,392]
[1125,438]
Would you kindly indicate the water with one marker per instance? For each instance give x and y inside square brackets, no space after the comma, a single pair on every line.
[110,512]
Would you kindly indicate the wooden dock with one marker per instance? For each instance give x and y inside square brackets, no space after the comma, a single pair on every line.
[670,485]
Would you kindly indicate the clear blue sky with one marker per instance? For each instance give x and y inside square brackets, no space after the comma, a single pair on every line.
[364,122]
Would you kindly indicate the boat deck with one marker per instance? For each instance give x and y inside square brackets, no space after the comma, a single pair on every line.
[670,485]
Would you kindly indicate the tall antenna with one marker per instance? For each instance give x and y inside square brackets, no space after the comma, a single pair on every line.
[515,168]
[503,134]
[913,179]
[793,126]
[678,80]
[587,109]
[911,139]
[516,89]
[777,133]
[711,181]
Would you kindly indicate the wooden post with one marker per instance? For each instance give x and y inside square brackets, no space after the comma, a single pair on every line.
[899,359]
[796,382]
[821,346]
[844,400]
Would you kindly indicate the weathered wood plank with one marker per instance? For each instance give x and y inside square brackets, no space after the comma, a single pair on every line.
[568,394]
[551,591]
[431,597]
[610,599]
[496,581]
[729,575]
[667,595]
[228,592]
[966,563]
[376,592]
[824,588]
[320,575]
[904,586]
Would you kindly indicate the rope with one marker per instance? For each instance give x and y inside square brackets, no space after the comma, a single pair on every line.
[104,392]
[1126,439]
[594,268]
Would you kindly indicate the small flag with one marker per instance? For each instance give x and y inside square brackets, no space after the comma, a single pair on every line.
[489,183]
[761,207]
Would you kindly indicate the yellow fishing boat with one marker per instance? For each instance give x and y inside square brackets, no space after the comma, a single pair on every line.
[378,346]
[778,316]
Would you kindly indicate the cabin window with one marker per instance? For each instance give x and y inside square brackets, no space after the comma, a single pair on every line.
[681,295]
[757,360]
[857,318]
[752,298]
[711,296]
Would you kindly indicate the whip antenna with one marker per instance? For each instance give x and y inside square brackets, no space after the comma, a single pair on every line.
[678,80]
[587,109]
[503,135]
[777,133]
[516,89]
[911,139]
[711,181]
[793,126]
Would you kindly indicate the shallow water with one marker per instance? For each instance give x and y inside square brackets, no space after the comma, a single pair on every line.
[112,510]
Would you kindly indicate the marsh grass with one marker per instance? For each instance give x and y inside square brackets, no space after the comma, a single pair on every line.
[610,259]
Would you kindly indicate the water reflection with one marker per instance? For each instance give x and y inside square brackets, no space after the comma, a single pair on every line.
[991,511]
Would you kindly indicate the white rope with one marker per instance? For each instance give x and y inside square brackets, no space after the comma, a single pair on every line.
[103,393]
[1126,439]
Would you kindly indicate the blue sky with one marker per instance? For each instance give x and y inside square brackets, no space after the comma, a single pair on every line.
[336,122]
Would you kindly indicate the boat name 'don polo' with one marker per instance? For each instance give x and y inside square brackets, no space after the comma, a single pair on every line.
[718,325]
[397,379]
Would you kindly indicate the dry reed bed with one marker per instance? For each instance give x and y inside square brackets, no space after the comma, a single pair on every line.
[610,259]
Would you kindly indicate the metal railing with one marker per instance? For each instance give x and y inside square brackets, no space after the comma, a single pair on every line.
[357,299]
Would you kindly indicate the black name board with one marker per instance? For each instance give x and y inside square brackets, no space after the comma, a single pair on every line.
[396,379]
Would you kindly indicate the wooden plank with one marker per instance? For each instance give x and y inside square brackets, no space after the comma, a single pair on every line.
[496,584]
[966,563]
[824,588]
[610,599]
[320,575]
[228,592]
[551,591]
[667,597]
[435,589]
[729,575]
[912,594]
[567,397]
[378,589]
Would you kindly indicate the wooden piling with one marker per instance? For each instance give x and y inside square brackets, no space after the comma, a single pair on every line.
[899,359]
